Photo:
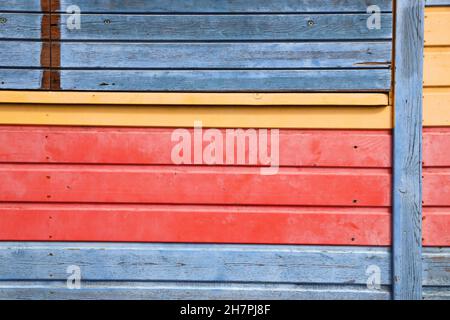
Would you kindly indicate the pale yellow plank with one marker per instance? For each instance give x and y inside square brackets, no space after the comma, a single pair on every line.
[230,99]
[437,26]
[185,116]
[437,67]
[436,107]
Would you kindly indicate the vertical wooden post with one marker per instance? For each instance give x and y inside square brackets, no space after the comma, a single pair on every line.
[407,180]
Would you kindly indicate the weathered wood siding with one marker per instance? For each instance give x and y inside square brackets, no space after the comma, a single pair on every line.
[436,144]
[226,46]
[164,271]
[105,174]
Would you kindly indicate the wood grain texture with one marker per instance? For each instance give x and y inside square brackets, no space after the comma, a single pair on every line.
[57,290]
[184,262]
[227,27]
[273,55]
[436,271]
[152,271]
[161,270]
[23,5]
[227,6]
[227,80]
[407,213]
[189,99]
[436,293]
[195,224]
[21,26]
[437,23]
[213,185]
[24,55]
[21,79]
[305,148]
[185,116]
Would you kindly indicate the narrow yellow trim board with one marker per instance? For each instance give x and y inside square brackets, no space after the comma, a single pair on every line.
[185,116]
[229,99]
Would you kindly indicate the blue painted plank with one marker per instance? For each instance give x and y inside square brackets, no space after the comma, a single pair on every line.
[436,267]
[226,27]
[436,293]
[52,290]
[226,55]
[437,3]
[21,5]
[179,262]
[20,79]
[21,26]
[218,80]
[407,169]
[226,6]
[21,54]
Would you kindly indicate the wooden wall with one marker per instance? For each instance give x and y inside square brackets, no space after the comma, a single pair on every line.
[89,176]
[436,163]
[227,46]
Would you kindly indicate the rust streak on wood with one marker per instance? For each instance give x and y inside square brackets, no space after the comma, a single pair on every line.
[46,48]
[55,37]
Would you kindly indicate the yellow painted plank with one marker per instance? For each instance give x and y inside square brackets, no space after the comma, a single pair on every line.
[437,26]
[437,67]
[231,99]
[436,107]
[185,116]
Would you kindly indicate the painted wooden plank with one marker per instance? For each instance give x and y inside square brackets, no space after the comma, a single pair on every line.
[292,55]
[226,80]
[436,109]
[22,26]
[436,293]
[436,187]
[436,263]
[57,290]
[305,148]
[438,2]
[437,67]
[227,6]
[23,5]
[436,147]
[437,22]
[17,79]
[23,54]
[208,99]
[217,117]
[203,27]
[181,262]
[213,185]
[196,224]
[407,189]
[436,226]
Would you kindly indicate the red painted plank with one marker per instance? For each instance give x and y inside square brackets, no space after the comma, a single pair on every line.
[307,148]
[210,224]
[436,227]
[436,187]
[436,147]
[194,185]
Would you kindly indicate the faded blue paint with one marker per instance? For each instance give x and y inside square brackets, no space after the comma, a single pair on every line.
[407,168]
